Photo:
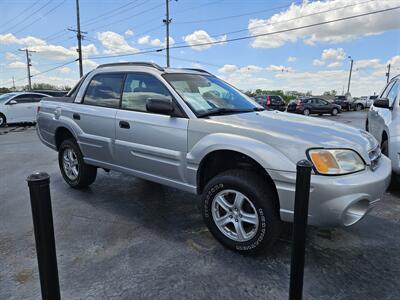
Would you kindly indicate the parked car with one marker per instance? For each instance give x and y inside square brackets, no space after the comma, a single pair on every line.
[383,122]
[271,101]
[53,93]
[363,102]
[190,130]
[309,106]
[345,102]
[19,107]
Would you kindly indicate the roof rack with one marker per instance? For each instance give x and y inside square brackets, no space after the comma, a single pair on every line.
[198,70]
[138,63]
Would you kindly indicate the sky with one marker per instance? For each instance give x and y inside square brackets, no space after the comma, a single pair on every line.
[273,54]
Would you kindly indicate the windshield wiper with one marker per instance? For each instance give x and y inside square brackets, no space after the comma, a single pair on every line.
[223,111]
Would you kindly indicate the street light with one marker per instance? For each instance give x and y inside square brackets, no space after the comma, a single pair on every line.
[351,69]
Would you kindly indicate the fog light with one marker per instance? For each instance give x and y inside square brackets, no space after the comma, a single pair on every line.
[355,212]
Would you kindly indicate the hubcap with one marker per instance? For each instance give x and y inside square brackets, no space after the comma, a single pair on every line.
[306,112]
[235,215]
[70,164]
[1,121]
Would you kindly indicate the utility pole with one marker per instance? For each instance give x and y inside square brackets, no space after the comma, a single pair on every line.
[351,70]
[28,65]
[167,21]
[388,74]
[79,37]
[13,83]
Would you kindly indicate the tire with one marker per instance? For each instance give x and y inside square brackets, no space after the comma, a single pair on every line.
[320,114]
[385,148]
[306,112]
[80,175]
[359,107]
[259,198]
[3,120]
[334,112]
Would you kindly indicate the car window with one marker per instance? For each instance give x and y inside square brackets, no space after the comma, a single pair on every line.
[24,98]
[394,91]
[36,97]
[323,102]
[260,100]
[386,90]
[140,87]
[104,90]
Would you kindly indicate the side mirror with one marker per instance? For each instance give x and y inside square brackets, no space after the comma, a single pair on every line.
[12,102]
[382,103]
[160,106]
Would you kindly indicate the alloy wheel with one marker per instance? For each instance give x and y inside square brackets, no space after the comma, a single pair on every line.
[235,215]
[70,164]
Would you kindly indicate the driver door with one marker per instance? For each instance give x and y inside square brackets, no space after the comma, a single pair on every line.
[149,144]
[22,111]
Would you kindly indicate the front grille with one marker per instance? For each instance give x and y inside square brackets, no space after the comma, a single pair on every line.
[375,155]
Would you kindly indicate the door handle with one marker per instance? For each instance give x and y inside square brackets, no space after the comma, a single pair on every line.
[76,116]
[124,124]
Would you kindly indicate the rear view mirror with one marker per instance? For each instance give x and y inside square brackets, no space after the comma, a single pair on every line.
[382,103]
[12,102]
[160,106]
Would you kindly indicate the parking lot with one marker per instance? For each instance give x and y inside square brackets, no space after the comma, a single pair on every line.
[132,239]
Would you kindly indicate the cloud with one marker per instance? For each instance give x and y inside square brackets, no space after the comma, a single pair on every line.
[333,54]
[29,41]
[200,37]
[154,42]
[114,43]
[275,68]
[129,32]
[331,33]
[227,69]
[292,59]
[64,70]
[11,56]
[89,64]
[318,62]
[335,64]
[17,65]
[367,64]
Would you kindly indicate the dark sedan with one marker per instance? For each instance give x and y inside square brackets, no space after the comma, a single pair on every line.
[309,106]
[271,101]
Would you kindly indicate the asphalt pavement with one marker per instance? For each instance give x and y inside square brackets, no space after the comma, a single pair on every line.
[127,238]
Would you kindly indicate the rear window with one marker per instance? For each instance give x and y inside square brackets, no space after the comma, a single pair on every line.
[104,90]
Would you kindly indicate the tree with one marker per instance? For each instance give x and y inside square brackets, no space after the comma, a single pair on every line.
[330,93]
[4,90]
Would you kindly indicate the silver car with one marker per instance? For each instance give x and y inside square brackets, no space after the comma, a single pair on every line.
[383,122]
[188,129]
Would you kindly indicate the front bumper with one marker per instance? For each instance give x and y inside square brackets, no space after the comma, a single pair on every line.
[335,200]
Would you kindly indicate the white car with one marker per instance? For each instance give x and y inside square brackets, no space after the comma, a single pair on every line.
[19,107]
[383,122]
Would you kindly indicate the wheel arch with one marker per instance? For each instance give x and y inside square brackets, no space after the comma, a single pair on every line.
[61,134]
[221,160]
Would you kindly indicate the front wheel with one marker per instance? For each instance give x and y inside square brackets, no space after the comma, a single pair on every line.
[359,107]
[335,111]
[241,211]
[3,120]
[73,169]
[306,112]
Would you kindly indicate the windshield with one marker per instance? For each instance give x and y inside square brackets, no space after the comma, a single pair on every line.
[206,94]
[5,97]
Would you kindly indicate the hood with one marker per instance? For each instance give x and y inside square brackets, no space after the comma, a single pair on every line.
[294,134]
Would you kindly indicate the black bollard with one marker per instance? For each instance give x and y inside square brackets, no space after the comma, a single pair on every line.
[44,234]
[302,195]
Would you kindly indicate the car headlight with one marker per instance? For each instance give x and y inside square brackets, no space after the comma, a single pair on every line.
[336,161]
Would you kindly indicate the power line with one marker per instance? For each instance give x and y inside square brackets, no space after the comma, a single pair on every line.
[29,16]
[110,13]
[41,17]
[55,68]
[22,12]
[237,16]
[150,50]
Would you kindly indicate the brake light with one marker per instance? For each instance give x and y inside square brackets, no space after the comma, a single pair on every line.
[268,100]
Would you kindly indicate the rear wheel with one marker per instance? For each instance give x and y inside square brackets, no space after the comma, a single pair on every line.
[73,169]
[306,112]
[385,148]
[240,210]
[359,107]
[3,120]
[334,112]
